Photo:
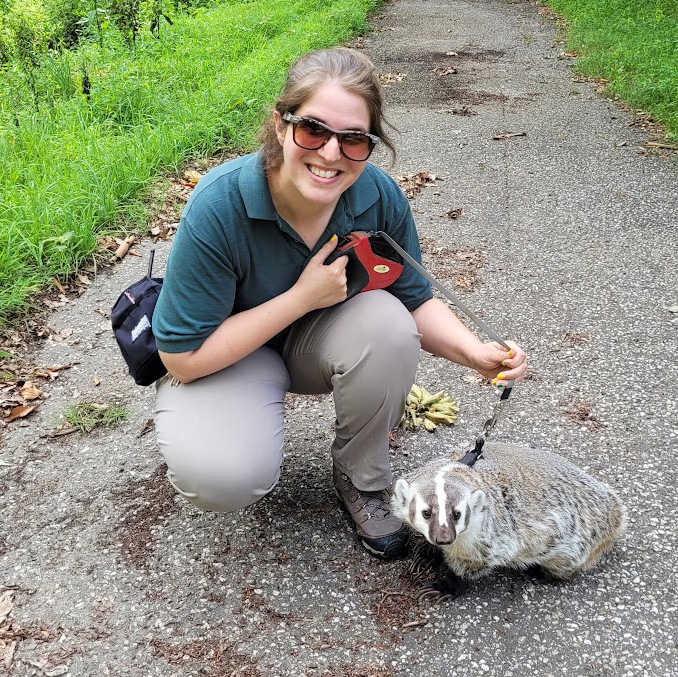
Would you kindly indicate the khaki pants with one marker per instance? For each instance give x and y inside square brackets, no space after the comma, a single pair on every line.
[222,435]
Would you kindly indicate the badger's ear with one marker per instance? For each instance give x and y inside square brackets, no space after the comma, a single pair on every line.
[477,501]
[403,491]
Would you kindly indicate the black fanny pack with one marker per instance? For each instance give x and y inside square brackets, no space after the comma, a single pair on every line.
[132,322]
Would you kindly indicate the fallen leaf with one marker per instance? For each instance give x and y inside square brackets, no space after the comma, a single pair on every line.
[84,279]
[58,285]
[412,184]
[192,176]
[388,78]
[451,54]
[122,250]
[20,412]
[454,213]
[29,391]
[442,71]
[6,604]
[54,305]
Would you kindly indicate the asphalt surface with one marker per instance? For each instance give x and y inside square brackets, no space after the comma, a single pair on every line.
[566,243]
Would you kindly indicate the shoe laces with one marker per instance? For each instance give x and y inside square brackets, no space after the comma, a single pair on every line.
[377,503]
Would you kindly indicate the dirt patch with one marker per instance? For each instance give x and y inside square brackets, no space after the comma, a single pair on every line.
[216,658]
[572,339]
[581,413]
[149,502]
[481,55]
[445,263]
[466,97]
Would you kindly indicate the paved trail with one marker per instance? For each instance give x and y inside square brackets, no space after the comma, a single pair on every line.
[574,227]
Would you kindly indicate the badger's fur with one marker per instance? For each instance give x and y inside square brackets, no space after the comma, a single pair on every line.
[516,507]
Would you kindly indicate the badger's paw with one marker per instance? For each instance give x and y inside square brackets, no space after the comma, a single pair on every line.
[446,587]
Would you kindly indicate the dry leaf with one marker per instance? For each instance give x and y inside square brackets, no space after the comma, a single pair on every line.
[192,176]
[84,279]
[58,285]
[412,184]
[122,250]
[29,391]
[6,604]
[388,78]
[20,412]
[451,54]
[454,213]
[472,378]
[442,71]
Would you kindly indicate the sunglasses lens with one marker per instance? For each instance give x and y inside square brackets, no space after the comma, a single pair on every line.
[312,135]
[356,146]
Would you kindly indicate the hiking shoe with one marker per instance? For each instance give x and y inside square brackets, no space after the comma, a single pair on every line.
[380,531]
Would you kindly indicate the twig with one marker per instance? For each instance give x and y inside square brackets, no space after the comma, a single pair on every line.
[657,144]
[415,624]
[508,135]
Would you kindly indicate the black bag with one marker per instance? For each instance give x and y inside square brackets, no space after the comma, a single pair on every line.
[132,321]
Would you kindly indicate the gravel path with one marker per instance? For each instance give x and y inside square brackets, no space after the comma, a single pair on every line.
[564,243]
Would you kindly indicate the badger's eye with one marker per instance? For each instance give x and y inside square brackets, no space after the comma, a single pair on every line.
[426,514]
[456,515]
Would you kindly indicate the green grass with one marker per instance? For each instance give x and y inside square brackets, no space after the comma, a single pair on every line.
[67,169]
[86,416]
[633,44]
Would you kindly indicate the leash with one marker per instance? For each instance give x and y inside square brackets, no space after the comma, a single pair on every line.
[474,454]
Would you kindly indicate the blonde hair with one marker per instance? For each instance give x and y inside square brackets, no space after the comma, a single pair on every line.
[340,66]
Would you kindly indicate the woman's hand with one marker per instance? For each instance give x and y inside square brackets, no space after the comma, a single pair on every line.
[321,286]
[495,363]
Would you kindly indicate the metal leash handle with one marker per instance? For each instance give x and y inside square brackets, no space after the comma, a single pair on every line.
[472,456]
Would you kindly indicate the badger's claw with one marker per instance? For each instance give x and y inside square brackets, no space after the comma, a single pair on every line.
[447,587]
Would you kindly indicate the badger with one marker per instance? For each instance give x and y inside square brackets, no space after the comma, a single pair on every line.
[516,507]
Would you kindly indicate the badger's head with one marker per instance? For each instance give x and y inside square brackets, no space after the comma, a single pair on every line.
[438,503]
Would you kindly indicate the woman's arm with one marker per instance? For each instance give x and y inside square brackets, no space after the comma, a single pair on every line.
[319,286]
[444,334]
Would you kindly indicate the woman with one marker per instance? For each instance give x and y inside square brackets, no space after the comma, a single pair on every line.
[249,310]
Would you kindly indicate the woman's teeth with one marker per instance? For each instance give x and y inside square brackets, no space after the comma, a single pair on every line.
[322,173]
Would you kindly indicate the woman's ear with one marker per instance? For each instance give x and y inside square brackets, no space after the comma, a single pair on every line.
[280,126]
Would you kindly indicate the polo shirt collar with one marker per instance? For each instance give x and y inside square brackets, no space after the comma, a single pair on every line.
[257,197]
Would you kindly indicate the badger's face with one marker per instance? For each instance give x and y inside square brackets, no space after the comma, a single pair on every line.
[439,506]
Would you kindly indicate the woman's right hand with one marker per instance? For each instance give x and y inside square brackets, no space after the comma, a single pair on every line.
[321,286]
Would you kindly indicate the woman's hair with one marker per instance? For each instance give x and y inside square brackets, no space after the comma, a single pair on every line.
[340,66]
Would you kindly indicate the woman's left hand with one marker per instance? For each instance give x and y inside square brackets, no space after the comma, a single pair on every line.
[492,361]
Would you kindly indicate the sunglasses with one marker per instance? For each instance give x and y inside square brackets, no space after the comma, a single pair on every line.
[310,134]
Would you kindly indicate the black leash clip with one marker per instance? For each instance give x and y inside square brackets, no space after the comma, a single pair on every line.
[470,457]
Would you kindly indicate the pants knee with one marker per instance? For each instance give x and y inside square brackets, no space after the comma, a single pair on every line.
[224,489]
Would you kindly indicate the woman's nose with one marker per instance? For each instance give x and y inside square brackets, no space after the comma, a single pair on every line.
[330,151]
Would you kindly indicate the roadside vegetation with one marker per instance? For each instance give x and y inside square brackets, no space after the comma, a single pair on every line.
[633,45]
[97,97]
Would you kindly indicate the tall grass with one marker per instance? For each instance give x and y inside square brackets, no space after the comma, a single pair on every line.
[634,45]
[66,167]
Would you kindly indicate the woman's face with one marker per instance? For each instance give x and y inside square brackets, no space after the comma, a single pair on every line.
[321,176]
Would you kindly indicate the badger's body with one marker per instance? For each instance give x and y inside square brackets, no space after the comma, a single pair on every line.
[517,507]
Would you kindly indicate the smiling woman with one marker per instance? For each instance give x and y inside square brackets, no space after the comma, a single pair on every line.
[251,309]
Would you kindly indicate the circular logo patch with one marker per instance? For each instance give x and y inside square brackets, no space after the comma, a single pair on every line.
[381,268]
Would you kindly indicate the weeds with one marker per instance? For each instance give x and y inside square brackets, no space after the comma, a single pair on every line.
[98,124]
[86,416]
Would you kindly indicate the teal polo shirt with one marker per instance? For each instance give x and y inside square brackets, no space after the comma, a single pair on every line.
[233,251]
